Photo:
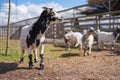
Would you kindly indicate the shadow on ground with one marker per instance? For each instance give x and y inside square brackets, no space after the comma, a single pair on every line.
[69,55]
[6,67]
[116,52]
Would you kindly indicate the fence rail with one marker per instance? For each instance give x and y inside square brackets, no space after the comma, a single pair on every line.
[77,22]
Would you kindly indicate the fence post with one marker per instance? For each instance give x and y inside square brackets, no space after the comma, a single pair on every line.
[55,35]
[8,29]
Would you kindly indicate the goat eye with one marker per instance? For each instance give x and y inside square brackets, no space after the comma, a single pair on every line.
[52,13]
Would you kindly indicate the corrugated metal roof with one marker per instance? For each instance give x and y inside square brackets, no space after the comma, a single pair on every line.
[102,6]
[92,2]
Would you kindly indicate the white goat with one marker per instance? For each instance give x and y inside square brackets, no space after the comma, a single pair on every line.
[106,37]
[73,37]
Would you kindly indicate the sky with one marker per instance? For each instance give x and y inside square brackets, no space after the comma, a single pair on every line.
[63,3]
[25,9]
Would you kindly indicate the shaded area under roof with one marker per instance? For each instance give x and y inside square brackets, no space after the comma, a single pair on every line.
[92,2]
[101,6]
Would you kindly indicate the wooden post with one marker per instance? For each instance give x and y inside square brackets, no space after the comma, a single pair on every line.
[8,29]
[55,29]
[97,25]
[109,14]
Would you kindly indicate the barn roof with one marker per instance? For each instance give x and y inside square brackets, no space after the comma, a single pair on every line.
[101,6]
[92,2]
[114,4]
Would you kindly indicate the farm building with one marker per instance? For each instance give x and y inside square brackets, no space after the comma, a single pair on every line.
[60,64]
[100,13]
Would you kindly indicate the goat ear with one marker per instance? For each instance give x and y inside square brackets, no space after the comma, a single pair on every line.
[44,8]
[51,9]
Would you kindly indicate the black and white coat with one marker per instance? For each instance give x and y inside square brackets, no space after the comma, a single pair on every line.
[88,39]
[33,36]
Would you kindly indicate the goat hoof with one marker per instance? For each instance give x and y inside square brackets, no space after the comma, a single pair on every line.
[35,60]
[85,54]
[21,60]
[40,72]
[31,67]
[88,54]
[113,48]
[41,66]
[104,48]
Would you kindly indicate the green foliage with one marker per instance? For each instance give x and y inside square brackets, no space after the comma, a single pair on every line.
[51,52]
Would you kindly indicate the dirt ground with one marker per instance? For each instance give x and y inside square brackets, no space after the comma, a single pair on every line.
[100,65]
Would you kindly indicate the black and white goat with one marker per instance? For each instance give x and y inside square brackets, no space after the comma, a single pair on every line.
[32,36]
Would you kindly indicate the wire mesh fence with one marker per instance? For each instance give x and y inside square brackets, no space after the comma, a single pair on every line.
[72,21]
[4,9]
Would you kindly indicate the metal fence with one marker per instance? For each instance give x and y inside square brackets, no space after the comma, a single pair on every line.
[4,9]
[56,31]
